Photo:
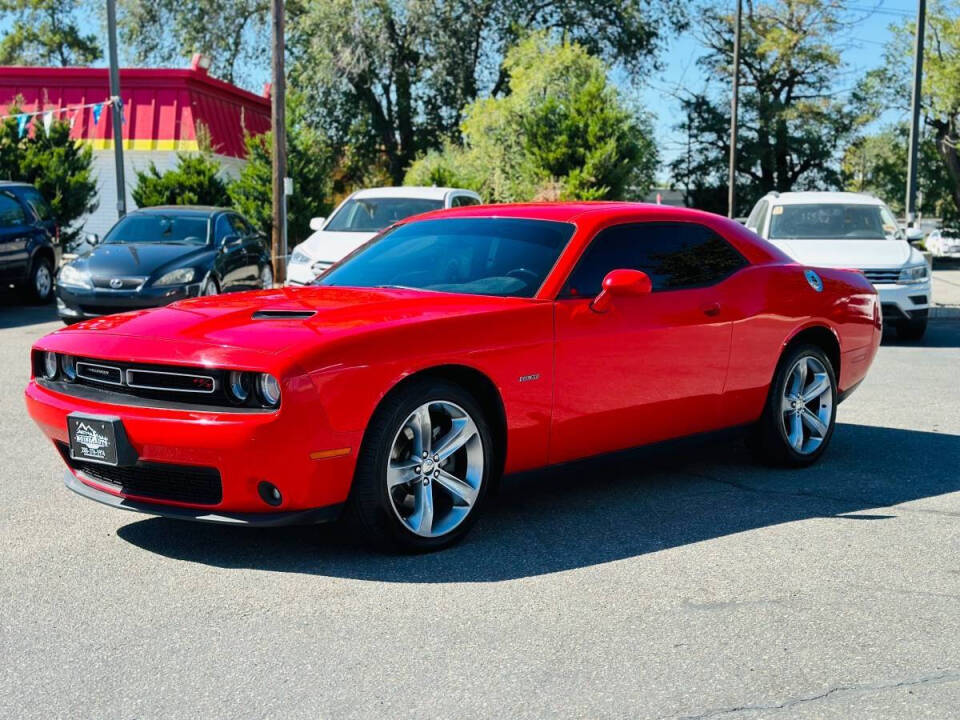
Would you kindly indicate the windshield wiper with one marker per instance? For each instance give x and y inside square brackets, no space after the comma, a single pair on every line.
[396,287]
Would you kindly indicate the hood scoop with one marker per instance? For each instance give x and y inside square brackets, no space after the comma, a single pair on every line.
[283,314]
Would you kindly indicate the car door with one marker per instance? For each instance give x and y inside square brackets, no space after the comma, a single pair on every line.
[231,259]
[15,234]
[651,367]
[252,250]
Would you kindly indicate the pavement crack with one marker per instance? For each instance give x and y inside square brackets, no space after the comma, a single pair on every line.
[942,677]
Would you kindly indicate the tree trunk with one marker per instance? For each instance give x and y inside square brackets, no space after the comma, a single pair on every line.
[947,140]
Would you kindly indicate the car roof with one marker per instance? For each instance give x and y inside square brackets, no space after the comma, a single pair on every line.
[14,183]
[567,211]
[810,198]
[409,191]
[183,209]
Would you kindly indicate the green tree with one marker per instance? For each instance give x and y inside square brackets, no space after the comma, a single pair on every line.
[310,163]
[793,122]
[940,97]
[391,78]
[45,32]
[233,34]
[877,163]
[195,180]
[60,168]
[562,132]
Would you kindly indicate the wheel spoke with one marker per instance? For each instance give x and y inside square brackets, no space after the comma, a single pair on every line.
[813,422]
[400,472]
[799,379]
[419,423]
[463,493]
[820,385]
[461,431]
[795,436]
[422,518]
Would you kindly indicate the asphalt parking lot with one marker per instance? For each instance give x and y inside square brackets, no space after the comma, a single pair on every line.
[675,584]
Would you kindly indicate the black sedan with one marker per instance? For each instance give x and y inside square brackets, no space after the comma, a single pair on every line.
[155,256]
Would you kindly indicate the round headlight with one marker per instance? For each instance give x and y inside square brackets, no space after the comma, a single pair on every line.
[50,365]
[238,386]
[68,364]
[269,389]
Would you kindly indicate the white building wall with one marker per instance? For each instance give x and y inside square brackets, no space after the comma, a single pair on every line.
[103,218]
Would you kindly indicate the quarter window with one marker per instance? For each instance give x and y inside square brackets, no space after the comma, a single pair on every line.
[674,255]
[11,212]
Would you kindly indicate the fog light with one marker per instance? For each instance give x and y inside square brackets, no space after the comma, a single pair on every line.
[68,364]
[269,493]
[269,390]
[49,365]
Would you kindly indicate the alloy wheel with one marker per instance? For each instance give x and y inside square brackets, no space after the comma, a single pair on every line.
[807,405]
[266,277]
[43,281]
[435,469]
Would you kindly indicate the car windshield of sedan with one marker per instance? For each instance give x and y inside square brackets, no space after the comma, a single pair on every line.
[153,227]
[832,222]
[507,257]
[374,214]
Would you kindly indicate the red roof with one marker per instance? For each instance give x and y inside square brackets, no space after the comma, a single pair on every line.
[161,107]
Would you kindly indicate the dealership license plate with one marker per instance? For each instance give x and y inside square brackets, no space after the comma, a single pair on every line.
[93,439]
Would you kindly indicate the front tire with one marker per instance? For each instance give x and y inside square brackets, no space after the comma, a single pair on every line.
[210,287]
[40,281]
[799,417]
[424,468]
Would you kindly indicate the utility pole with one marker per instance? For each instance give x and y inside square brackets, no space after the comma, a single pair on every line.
[278,119]
[911,204]
[116,108]
[734,106]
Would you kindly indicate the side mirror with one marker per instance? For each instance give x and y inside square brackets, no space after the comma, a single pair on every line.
[229,240]
[914,235]
[92,239]
[317,223]
[621,283]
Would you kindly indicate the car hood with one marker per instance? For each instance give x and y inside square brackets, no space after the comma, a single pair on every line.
[275,321]
[857,254]
[329,247]
[139,259]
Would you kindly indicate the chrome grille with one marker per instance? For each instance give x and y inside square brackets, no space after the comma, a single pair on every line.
[883,277]
[118,283]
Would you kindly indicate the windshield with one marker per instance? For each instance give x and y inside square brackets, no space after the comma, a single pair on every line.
[507,257]
[951,233]
[832,222]
[374,214]
[153,227]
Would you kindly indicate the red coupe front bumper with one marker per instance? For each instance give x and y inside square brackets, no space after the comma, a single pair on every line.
[310,466]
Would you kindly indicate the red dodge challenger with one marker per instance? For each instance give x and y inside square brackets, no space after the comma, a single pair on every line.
[452,348]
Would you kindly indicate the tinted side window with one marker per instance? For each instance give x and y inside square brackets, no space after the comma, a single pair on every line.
[674,255]
[39,206]
[224,227]
[11,212]
[463,201]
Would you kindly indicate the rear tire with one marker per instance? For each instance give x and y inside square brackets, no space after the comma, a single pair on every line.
[912,329]
[800,414]
[396,487]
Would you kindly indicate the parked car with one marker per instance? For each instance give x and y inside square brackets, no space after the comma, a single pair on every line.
[361,216]
[944,243]
[452,348]
[155,256]
[28,236]
[851,230]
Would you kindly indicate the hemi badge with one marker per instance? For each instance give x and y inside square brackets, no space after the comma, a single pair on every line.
[529,378]
[324,454]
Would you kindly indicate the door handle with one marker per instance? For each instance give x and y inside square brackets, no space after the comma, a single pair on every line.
[711,309]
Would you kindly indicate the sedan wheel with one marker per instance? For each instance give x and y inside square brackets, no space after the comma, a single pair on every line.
[801,409]
[266,277]
[41,281]
[210,287]
[424,467]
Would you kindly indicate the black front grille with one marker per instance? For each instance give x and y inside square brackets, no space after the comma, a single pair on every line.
[118,283]
[883,277]
[158,481]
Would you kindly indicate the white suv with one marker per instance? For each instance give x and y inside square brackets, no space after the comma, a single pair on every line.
[361,216]
[850,230]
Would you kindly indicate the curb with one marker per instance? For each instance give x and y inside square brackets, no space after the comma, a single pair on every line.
[944,313]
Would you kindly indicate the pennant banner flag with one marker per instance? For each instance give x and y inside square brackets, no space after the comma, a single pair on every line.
[97,109]
[22,121]
[47,122]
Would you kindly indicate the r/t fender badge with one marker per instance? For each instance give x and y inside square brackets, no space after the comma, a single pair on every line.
[529,378]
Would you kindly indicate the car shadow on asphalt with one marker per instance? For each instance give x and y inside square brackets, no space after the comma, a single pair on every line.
[940,334]
[602,510]
[15,311]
